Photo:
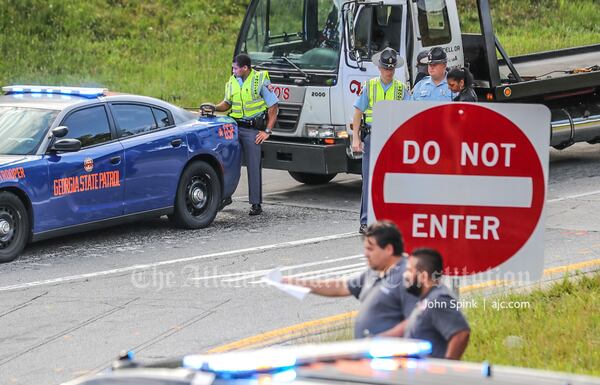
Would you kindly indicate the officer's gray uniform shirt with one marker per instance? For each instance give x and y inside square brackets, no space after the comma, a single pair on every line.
[436,319]
[384,301]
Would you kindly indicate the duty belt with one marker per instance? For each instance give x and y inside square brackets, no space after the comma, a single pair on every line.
[258,122]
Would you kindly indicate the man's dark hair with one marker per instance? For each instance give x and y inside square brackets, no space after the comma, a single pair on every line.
[429,260]
[242,60]
[386,233]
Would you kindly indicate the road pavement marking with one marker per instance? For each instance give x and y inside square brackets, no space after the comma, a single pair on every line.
[121,270]
[319,325]
[573,196]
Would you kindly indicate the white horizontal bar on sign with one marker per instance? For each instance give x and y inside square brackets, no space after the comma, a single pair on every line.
[458,190]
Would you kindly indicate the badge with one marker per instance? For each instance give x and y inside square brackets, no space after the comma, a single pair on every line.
[88,164]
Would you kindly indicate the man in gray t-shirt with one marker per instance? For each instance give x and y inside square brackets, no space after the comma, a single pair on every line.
[380,289]
[436,317]
[382,299]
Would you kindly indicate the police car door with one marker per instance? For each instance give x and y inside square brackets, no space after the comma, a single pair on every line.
[436,24]
[155,154]
[87,185]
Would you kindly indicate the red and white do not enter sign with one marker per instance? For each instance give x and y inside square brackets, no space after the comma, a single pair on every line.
[463,179]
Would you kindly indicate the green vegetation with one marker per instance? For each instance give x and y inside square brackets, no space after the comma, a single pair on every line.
[180,50]
[553,329]
[525,26]
[177,50]
[559,331]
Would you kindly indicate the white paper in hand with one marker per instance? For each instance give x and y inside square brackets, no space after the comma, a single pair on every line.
[273,278]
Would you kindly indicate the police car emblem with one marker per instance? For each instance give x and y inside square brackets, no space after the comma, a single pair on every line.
[88,164]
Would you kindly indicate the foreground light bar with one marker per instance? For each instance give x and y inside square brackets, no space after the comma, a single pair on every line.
[87,92]
[241,362]
[280,358]
[406,348]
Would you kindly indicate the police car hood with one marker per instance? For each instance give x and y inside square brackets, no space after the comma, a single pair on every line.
[9,160]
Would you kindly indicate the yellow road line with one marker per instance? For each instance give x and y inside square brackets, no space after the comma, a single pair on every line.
[287,331]
[323,323]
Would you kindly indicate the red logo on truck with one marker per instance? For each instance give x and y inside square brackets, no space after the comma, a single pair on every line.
[282,92]
[355,87]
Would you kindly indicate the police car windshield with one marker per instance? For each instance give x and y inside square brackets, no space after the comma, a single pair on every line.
[305,32]
[23,128]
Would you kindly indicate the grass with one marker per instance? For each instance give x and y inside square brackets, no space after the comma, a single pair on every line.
[560,331]
[555,329]
[525,26]
[180,50]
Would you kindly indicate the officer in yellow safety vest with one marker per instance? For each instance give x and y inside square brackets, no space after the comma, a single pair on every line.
[254,107]
[384,87]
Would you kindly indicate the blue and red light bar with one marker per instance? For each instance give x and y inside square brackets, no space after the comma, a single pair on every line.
[86,92]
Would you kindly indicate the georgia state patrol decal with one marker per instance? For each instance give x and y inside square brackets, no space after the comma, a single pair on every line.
[88,164]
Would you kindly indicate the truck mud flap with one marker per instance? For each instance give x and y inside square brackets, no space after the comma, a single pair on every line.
[301,157]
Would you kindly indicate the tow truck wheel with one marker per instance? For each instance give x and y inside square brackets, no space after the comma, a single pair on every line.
[307,178]
[14,226]
[198,197]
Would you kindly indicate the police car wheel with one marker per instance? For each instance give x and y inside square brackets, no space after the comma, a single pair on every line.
[312,179]
[14,226]
[198,197]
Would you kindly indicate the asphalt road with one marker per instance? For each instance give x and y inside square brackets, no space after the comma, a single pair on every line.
[70,305]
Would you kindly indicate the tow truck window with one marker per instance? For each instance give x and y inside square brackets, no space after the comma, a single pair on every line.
[284,24]
[434,23]
[376,28]
[133,119]
[22,129]
[306,33]
[89,125]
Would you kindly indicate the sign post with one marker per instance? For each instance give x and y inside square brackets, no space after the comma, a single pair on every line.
[466,179]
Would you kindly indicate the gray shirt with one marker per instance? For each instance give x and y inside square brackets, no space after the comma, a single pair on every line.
[436,318]
[384,302]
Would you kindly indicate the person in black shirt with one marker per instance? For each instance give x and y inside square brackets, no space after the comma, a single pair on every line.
[422,59]
[460,80]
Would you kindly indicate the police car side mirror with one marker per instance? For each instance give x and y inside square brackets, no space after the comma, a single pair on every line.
[66,145]
[60,131]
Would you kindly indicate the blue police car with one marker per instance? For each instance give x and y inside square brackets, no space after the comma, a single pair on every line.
[375,361]
[74,159]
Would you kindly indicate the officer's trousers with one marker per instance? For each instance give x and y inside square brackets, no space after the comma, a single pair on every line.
[364,199]
[253,157]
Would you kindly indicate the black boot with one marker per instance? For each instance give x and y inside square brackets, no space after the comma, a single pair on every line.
[255,210]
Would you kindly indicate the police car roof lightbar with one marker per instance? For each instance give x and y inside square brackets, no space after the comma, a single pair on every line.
[86,92]
[285,357]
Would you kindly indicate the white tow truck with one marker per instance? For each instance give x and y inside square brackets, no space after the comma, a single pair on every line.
[318,52]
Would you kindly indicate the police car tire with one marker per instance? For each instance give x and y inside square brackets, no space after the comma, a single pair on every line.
[181,216]
[311,179]
[11,202]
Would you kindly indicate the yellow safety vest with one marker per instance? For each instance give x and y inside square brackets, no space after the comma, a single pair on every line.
[246,100]
[376,93]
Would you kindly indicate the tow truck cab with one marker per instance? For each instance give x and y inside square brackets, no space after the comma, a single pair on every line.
[318,53]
